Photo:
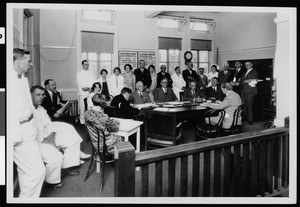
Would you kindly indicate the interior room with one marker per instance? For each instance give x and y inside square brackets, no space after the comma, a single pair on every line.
[59,38]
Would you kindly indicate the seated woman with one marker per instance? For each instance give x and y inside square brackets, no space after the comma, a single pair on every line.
[95,89]
[99,119]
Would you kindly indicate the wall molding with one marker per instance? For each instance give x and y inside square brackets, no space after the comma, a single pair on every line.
[246,50]
[56,47]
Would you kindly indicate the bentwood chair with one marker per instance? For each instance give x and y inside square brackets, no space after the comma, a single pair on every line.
[235,128]
[101,157]
[161,130]
[210,130]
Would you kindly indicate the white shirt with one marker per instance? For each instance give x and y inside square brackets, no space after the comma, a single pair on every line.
[116,83]
[248,71]
[234,79]
[84,78]
[22,110]
[178,81]
[43,122]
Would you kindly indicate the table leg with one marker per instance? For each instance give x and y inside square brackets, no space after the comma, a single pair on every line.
[138,140]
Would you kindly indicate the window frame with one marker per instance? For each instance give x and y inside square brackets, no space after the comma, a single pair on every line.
[169,70]
[197,63]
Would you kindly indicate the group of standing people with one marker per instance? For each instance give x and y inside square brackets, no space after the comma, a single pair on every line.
[148,86]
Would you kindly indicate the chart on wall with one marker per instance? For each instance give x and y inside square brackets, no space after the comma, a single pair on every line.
[133,57]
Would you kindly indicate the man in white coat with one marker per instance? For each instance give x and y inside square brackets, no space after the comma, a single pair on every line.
[84,79]
[31,169]
[230,103]
[59,143]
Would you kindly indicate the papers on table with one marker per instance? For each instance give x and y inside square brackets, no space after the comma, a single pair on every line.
[64,109]
[124,123]
[161,109]
[145,105]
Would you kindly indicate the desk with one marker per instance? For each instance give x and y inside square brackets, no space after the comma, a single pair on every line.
[128,127]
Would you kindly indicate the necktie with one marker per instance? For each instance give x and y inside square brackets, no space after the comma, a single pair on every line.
[225,72]
[117,82]
[215,88]
[141,95]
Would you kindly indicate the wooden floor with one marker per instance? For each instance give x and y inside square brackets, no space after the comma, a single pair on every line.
[76,187]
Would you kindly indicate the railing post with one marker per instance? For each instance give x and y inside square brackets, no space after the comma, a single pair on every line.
[124,170]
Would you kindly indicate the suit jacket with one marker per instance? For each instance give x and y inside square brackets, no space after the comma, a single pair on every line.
[188,96]
[230,103]
[188,76]
[237,75]
[210,92]
[245,87]
[160,76]
[145,77]
[224,78]
[51,107]
[160,96]
[123,108]
[135,98]
[203,82]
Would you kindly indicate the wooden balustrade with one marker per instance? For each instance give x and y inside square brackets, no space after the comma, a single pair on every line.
[248,164]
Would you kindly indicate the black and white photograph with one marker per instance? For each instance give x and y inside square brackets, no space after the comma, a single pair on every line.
[179,104]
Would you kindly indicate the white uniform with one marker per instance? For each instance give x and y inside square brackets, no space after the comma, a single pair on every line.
[84,78]
[31,169]
[178,83]
[116,84]
[66,138]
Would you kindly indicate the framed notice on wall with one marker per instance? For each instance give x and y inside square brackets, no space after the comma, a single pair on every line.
[127,57]
[148,57]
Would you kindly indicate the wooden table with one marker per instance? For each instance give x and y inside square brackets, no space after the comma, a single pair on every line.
[128,127]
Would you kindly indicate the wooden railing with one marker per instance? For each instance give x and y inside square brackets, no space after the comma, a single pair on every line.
[248,164]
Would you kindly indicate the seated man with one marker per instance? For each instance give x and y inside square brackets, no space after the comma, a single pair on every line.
[139,96]
[122,106]
[231,102]
[193,93]
[53,138]
[163,93]
[53,101]
[214,91]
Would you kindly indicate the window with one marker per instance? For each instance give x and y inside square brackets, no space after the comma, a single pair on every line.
[171,23]
[202,25]
[99,15]
[170,58]
[201,50]
[201,59]
[97,48]
[169,53]
[98,61]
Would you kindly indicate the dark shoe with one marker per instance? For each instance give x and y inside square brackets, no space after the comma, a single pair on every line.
[57,186]
[72,173]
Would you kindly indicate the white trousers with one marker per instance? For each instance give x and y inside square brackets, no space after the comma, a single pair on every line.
[67,138]
[31,169]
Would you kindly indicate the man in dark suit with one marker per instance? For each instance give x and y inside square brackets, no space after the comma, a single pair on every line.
[163,74]
[139,96]
[225,76]
[214,91]
[143,74]
[203,80]
[163,93]
[189,74]
[236,87]
[53,101]
[248,90]
[193,93]
[123,108]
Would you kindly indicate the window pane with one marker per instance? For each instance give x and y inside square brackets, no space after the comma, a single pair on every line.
[107,66]
[195,59]
[162,55]
[92,56]
[172,66]
[173,55]
[105,56]
[203,56]
[83,56]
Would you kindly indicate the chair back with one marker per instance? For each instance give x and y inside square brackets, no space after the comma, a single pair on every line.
[161,130]
[95,134]
[213,113]
[85,104]
[110,111]
[236,115]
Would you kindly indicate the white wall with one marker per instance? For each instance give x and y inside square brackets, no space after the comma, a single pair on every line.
[245,36]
